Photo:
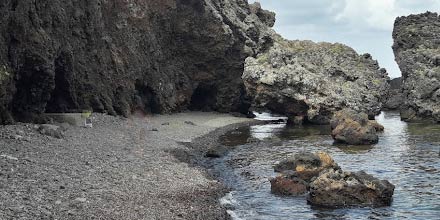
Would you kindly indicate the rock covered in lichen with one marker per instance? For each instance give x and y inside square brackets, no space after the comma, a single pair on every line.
[314,80]
[395,97]
[297,172]
[417,51]
[306,161]
[327,184]
[337,188]
[351,127]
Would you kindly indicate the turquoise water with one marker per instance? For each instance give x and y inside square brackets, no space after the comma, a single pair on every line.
[407,155]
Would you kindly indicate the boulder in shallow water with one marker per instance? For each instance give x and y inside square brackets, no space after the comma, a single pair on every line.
[287,186]
[336,188]
[306,162]
[297,172]
[351,127]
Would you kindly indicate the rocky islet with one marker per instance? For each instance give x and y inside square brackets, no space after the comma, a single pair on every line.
[327,185]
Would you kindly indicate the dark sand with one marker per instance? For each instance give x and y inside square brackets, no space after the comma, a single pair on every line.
[119,169]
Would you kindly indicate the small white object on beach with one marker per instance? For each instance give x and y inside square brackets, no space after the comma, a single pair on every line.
[8,157]
[88,123]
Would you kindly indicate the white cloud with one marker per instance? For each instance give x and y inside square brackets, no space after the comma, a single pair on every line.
[365,25]
[377,14]
[380,14]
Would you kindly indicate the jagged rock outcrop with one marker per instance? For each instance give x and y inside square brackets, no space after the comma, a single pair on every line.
[417,51]
[308,80]
[395,97]
[117,56]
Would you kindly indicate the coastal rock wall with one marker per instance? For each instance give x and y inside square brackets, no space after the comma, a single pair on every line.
[395,97]
[310,81]
[118,56]
[417,51]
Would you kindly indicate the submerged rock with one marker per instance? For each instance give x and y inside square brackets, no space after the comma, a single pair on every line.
[216,151]
[336,188]
[417,51]
[314,80]
[351,127]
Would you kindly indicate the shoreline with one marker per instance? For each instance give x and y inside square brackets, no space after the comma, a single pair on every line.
[119,169]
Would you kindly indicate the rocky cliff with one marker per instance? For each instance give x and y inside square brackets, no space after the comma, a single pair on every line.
[118,56]
[417,51]
[395,97]
[310,81]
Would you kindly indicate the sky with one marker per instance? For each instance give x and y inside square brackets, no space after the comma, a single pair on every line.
[365,25]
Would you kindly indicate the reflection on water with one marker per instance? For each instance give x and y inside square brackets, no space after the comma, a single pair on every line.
[269,117]
[407,155]
[262,132]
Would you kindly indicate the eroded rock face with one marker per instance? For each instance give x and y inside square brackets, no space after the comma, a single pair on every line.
[314,80]
[336,188]
[395,98]
[118,56]
[417,51]
[351,127]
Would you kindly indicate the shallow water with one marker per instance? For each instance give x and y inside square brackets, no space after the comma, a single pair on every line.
[407,155]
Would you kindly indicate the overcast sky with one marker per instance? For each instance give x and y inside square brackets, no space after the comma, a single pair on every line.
[365,25]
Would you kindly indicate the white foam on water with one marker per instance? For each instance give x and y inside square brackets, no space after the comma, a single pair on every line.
[265,116]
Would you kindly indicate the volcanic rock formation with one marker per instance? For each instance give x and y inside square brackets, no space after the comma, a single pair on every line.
[417,51]
[308,80]
[297,172]
[350,127]
[327,184]
[337,188]
[119,56]
[395,97]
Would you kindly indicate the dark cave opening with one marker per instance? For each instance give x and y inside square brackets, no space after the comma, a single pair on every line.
[203,98]
[146,99]
[60,99]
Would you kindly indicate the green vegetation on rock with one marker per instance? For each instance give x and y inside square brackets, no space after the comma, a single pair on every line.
[4,73]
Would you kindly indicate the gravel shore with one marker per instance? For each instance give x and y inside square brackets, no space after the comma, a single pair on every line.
[122,168]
